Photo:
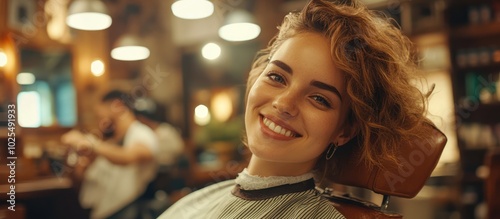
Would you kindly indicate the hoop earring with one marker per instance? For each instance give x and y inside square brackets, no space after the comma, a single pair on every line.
[331,150]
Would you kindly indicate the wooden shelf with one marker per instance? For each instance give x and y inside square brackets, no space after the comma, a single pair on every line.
[480,69]
[465,3]
[476,31]
[485,113]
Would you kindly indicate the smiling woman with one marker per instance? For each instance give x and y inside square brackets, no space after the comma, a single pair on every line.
[335,72]
[298,91]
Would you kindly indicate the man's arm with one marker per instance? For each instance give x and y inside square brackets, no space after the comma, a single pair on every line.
[114,153]
[123,155]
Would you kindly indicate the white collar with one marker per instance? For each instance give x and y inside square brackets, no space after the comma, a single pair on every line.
[253,182]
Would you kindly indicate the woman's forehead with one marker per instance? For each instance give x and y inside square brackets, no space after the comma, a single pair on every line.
[311,53]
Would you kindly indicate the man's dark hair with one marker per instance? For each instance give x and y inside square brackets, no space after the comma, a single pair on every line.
[121,96]
[154,111]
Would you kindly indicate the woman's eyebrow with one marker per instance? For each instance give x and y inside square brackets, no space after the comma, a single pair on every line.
[327,87]
[282,65]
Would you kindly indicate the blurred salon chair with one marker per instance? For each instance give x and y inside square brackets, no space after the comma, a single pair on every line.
[419,158]
[492,184]
[162,191]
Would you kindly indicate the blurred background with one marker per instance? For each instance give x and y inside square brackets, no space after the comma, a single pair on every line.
[189,60]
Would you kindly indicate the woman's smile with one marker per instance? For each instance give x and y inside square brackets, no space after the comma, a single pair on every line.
[277,130]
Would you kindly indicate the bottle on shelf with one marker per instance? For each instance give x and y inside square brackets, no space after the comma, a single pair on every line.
[496,11]
[498,88]
[473,15]
[484,14]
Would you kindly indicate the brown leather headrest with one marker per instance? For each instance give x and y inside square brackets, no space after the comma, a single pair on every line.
[418,160]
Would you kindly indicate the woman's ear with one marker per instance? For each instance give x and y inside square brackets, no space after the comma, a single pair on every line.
[348,132]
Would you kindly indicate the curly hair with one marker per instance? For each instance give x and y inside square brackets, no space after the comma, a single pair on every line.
[380,67]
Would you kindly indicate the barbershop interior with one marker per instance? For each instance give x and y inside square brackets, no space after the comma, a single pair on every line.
[183,67]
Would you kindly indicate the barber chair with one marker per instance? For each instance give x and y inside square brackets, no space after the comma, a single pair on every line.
[419,158]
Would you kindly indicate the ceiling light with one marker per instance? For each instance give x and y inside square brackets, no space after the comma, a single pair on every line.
[239,26]
[192,9]
[88,15]
[25,78]
[211,51]
[129,48]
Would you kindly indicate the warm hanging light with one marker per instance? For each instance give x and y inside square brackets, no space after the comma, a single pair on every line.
[88,15]
[97,67]
[3,58]
[201,115]
[192,9]
[222,106]
[239,26]
[129,48]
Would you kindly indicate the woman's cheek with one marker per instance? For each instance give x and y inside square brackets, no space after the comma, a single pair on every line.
[258,92]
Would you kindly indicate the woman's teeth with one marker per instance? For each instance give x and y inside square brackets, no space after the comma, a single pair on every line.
[277,129]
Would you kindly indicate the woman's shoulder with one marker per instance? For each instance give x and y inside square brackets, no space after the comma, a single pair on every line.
[199,201]
[223,185]
[217,189]
[314,205]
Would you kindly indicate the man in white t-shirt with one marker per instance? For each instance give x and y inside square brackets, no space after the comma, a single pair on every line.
[123,165]
[170,142]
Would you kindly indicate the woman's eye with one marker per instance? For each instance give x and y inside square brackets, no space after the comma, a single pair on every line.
[321,100]
[276,77]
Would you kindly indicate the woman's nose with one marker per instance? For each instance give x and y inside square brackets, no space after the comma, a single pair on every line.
[285,104]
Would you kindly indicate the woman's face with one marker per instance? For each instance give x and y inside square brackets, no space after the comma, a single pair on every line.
[298,105]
